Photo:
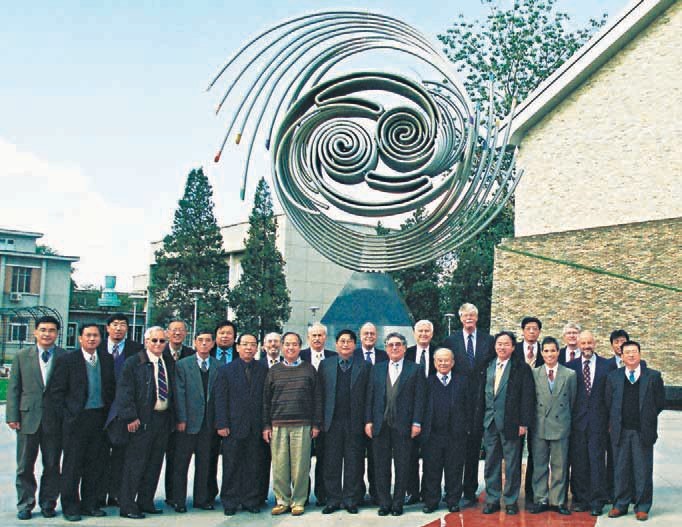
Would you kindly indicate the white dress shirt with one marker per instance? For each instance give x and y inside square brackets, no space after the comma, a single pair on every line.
[637,370]
[316,357]
[427,359]
[160,406]
[394,370]
[372,355]
[45,367]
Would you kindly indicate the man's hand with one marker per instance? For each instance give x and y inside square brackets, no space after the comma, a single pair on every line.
[416,430]
[132,427]
[368,430]
[267,435]
[16,425]
[181,427]
[224,432]
[522,430]
[314,432]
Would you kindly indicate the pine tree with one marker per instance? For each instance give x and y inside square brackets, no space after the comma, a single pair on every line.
[261,299]
[192,257]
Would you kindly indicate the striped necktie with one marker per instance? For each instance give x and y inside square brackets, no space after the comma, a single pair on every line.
[162,382]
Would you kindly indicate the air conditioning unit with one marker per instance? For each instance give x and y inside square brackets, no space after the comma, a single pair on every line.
[15,297]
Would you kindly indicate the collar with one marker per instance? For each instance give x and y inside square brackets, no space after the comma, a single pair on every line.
[111,344]
[316,353]
[466,335]
[366,351]
[291,364]
[178,351]
[555,369]
[200,360]
[88,357]
[527,346]
[637,370]
[398,362]
[503,362]
[592,360]
[49,350]
[349,361]
[152,357]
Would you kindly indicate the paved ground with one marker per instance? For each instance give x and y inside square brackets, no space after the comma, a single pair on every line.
[666,511]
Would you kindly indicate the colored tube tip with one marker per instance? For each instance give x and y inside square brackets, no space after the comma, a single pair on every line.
[239,138]
[217,157]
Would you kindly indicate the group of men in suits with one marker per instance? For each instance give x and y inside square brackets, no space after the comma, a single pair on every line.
[391,407]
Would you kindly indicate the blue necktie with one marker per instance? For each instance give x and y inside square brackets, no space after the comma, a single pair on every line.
[163,384]
[470,350]
[632,377]
[45,355]
[368,356]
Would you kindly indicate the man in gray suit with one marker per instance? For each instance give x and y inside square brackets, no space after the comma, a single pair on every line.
[35,429]
[509,410]
[195,376]
[555,390]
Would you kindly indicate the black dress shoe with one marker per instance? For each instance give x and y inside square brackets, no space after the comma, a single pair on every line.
[97,513]
[48,513]
[411,499]
[597,511]
[352,509]
[24,515]
[230,512]
[490,508]
[181,509]
[428,510]
[511,509]
[537,508]
[383,511]
[397,511]
[132,515]
[72,517]
[330,508]
[453,508]
[562,509]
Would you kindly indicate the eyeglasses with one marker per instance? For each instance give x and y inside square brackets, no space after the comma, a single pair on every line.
[155,341]
[343,342]
[394,344]
[248,343]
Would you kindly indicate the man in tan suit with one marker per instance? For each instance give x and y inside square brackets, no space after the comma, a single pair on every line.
[36,429]
[555,392]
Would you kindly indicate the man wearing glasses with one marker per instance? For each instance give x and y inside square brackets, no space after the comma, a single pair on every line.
[144,400]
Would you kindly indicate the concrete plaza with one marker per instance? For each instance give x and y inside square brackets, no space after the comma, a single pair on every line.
[666,511]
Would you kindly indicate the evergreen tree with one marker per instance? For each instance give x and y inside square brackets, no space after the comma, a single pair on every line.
[192,257]
[261,299]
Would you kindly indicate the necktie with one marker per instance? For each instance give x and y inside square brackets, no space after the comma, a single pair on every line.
[273,362]
[396,372]
[345,365]
[422,360]
[470,349]
[444,380]
[114,351]
[204,366]
[498,376]
[45,355]
[632,376]
[586,376]
[530,358]
[93,360]
[247,371]
[550,375]
[572,355]
[162,382]
[368,356]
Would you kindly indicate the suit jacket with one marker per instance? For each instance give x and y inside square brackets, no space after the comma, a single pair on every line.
[136,391]
[613,362]
[519,402]
[130,348]
[359,376]
[460,423]
[379,355]
[590,413]
[68,389]
[191,405]
[484,352]
[520,354]
[239,405]
[307,357]
[554,408]
[409,398]
[651,402]
[411,355]
[562,356]
[26,392]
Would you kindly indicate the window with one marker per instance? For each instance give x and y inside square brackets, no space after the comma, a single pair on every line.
[18,331]
[21,279]
[6,244]
[71,331]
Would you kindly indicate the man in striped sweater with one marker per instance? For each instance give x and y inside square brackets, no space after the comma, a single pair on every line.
[292,414]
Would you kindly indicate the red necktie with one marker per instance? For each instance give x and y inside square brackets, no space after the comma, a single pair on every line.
[550,374]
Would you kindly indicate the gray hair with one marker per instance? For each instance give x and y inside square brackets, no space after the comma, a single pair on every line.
[467,308]
[448,350]
[317,325]
[424,322]
[151,330]
[394,334]
[571,325]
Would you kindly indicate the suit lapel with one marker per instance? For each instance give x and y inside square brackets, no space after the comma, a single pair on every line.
[403,376]
[559,381]
[355,371]
[213,366]
[505,377]
[33,361]
[643,385]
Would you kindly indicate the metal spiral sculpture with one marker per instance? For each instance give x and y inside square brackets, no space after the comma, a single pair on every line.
[336,148]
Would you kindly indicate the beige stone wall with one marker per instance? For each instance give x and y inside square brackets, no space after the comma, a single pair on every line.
[556,293]
[611,152]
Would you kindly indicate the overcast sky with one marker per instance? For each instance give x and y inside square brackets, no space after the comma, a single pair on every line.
[103,112]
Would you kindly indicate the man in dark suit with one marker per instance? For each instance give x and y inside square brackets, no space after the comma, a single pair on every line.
[589,431]
[120,348]
[368,352]
[473,350]
[570,351]
[81,391]
[176,333]
[393,417]
[239,418]
[422,354]
[195,378]
[344,388]
[447,421]
[509,410]
[315,353]
[26,400]
[144,400]
[634,396]
[555,391]
[529,351]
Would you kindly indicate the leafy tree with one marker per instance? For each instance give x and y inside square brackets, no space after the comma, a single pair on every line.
[518,48]
[192,257]
[46,250]
[261,300]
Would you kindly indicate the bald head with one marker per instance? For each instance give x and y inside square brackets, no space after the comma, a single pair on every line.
[586,343]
